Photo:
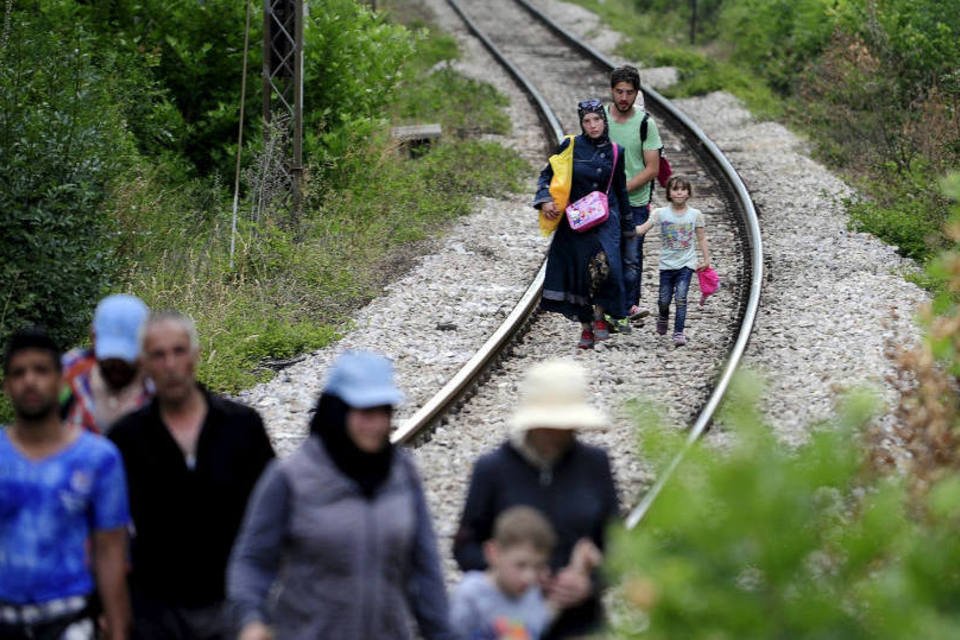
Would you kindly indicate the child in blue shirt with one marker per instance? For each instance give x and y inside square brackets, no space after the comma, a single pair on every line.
[679,226]
[506,602]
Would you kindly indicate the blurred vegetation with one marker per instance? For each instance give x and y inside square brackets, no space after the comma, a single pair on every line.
[117,169]
[839,538]
[764,542]
[873,83]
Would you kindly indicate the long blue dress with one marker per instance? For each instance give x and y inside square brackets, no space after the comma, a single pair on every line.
[584,269]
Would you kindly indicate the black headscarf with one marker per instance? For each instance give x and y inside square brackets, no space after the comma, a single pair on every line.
[329,423]
[594,106]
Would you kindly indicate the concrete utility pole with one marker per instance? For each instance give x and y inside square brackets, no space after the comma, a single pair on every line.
[283,82]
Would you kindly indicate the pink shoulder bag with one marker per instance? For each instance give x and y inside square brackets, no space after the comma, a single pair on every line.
[592,209]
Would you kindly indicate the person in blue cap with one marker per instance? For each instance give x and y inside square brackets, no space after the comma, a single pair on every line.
[339,531]
[106,381]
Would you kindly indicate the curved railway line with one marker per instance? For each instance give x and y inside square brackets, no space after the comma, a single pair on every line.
[555,70]
[435,320]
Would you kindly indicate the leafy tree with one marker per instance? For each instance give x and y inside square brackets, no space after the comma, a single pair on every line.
[62,140]
[193,52]
[353,64]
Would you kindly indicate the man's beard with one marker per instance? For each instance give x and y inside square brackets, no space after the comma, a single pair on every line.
[35,413]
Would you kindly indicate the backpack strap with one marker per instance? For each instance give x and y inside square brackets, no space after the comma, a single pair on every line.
[643,138]
[613,169]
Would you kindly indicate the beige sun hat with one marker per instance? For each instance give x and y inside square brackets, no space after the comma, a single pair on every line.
[554,396]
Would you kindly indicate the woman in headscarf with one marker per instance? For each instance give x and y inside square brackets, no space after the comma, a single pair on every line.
[545,466]
[583,279]
[337,541]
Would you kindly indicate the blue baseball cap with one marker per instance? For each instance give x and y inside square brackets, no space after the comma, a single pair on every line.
[363,380]
[116,327]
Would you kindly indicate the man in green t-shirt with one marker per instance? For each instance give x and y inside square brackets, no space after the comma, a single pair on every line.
[642,165]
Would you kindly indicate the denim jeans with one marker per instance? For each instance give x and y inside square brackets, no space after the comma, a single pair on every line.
[674,283]
[631,250]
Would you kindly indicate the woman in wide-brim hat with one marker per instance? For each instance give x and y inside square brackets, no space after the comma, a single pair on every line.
[337,541]
[545,466]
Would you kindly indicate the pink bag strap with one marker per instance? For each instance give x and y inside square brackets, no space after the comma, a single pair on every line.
[613,169]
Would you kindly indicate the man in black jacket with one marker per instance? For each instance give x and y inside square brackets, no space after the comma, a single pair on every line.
[192,458]
[544,466]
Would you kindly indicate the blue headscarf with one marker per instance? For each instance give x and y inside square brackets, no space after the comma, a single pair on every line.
[593,105]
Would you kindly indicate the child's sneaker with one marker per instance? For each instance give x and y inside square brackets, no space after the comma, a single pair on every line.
[601,330]
[636,313]
[679,339]
[662,326]
[586,340]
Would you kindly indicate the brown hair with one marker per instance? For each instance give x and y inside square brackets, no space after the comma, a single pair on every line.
[626,73]
[678,181]
[524,525]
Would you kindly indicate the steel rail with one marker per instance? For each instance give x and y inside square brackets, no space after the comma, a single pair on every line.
[754,241]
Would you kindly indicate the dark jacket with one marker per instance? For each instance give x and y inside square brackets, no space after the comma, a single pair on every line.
[575,260]
[591,172]
[577,495]
[342,565]
[185,520]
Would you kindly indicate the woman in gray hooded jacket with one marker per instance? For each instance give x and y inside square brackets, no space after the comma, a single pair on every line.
[337,541]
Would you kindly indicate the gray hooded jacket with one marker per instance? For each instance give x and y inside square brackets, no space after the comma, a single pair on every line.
[340,565]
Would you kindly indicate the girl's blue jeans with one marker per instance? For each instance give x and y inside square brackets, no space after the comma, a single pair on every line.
[674,283]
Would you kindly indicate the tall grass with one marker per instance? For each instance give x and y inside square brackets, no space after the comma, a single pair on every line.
[292,289]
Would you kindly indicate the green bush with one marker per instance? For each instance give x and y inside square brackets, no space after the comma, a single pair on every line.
[764,542]
[184,64]
[292,288]
[462,106]
[353,60]
[906,225]
[62,144]
[777,38]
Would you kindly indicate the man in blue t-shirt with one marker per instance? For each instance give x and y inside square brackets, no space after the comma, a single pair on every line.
[63,509]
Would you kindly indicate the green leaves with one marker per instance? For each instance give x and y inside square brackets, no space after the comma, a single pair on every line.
[61,145]
[761,541]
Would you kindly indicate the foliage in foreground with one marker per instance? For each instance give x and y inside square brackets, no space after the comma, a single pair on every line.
[763,542]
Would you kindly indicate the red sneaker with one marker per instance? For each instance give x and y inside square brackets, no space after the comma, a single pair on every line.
[601,330]
[586,340]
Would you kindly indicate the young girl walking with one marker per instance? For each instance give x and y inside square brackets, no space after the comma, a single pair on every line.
[679,225]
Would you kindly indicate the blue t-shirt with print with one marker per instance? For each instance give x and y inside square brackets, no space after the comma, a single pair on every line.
[480,611]
[49,508]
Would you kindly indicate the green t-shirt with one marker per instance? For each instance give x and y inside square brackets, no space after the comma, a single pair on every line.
[627,135]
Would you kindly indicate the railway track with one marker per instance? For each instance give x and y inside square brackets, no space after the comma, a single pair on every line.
[466,416]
